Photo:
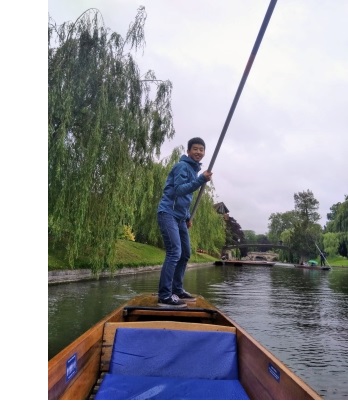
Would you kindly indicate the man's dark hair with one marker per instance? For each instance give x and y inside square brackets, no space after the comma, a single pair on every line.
[198,141]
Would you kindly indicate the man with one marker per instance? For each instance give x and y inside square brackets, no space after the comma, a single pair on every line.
[173,217]
[322,258]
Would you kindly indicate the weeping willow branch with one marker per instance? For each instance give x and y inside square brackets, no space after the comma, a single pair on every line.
[103,129]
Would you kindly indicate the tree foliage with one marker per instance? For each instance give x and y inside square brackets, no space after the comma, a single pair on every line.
[307,205]
[262,239]
[339,217]
[234,232]
[333,211]
[298,229]
[286,255]
[306,232]
[303,239]
[331,243]
[145,208]
[250,236]
[336,229]
[105,124]
[280,222]
[208,229]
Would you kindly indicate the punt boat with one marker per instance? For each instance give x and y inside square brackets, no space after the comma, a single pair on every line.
[312,267]
[240,263]
[143,351]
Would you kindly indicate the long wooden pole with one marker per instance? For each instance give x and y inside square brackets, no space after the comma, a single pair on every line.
[238,93]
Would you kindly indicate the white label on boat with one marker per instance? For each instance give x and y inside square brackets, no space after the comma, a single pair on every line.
[71,367]
[274,372]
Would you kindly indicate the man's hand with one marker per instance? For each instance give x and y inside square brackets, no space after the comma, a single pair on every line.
[188,223]
[208,175]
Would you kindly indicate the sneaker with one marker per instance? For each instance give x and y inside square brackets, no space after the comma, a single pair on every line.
[185,296]
[172,301]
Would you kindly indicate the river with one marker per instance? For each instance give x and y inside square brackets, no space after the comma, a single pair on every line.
[301,316]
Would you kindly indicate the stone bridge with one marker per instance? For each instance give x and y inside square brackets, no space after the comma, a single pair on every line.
[255,255]
[255,245]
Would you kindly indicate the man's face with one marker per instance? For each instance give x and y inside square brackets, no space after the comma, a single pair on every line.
[196,152]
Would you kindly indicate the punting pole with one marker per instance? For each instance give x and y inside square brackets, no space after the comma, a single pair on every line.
[322,255]
[238,93]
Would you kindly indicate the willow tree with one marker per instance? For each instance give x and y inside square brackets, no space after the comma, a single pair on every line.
[105,122]
[146,226]
[337,229]
[208,226]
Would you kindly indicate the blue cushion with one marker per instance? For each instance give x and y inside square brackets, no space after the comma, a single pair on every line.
[119,387]
[174,353]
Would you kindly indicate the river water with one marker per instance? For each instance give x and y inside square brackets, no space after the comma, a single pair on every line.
[301,316]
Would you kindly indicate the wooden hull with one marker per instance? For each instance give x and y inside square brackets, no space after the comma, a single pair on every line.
[75,372]
[324,268]
[241,263]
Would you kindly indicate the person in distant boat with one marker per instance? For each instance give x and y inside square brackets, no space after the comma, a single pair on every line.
[322,258]
[173,215]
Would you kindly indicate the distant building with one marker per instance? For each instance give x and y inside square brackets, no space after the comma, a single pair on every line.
[222,209]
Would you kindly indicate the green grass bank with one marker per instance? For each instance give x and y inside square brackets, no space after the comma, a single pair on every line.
[129,254]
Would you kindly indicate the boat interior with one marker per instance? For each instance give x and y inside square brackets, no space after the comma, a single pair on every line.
[170,362]
[142,351]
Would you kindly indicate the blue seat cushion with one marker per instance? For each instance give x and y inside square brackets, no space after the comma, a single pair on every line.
[174,354]
[120,387]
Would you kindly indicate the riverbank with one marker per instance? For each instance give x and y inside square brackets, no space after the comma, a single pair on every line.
[69,276]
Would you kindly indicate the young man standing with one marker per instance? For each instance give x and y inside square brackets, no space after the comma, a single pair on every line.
[173,217]
[322,258]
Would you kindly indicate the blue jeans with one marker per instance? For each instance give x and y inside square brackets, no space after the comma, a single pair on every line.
[177,244]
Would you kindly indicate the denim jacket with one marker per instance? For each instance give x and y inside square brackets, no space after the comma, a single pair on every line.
[181,182]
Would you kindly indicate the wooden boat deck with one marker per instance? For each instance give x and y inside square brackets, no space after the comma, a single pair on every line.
[77,371]
[145,308]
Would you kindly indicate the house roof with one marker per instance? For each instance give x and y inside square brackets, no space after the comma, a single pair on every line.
[221,208]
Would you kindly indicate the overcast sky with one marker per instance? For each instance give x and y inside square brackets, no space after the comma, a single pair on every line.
[289,132]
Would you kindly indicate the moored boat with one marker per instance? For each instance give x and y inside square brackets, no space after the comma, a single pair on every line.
[244,263]
[142,351]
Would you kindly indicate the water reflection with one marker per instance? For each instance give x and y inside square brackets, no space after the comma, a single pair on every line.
[300,315]
[338,281]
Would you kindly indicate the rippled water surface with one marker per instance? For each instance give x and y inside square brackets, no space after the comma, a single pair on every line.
[301,316]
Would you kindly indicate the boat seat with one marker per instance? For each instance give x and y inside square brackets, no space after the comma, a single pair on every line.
[172,364]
